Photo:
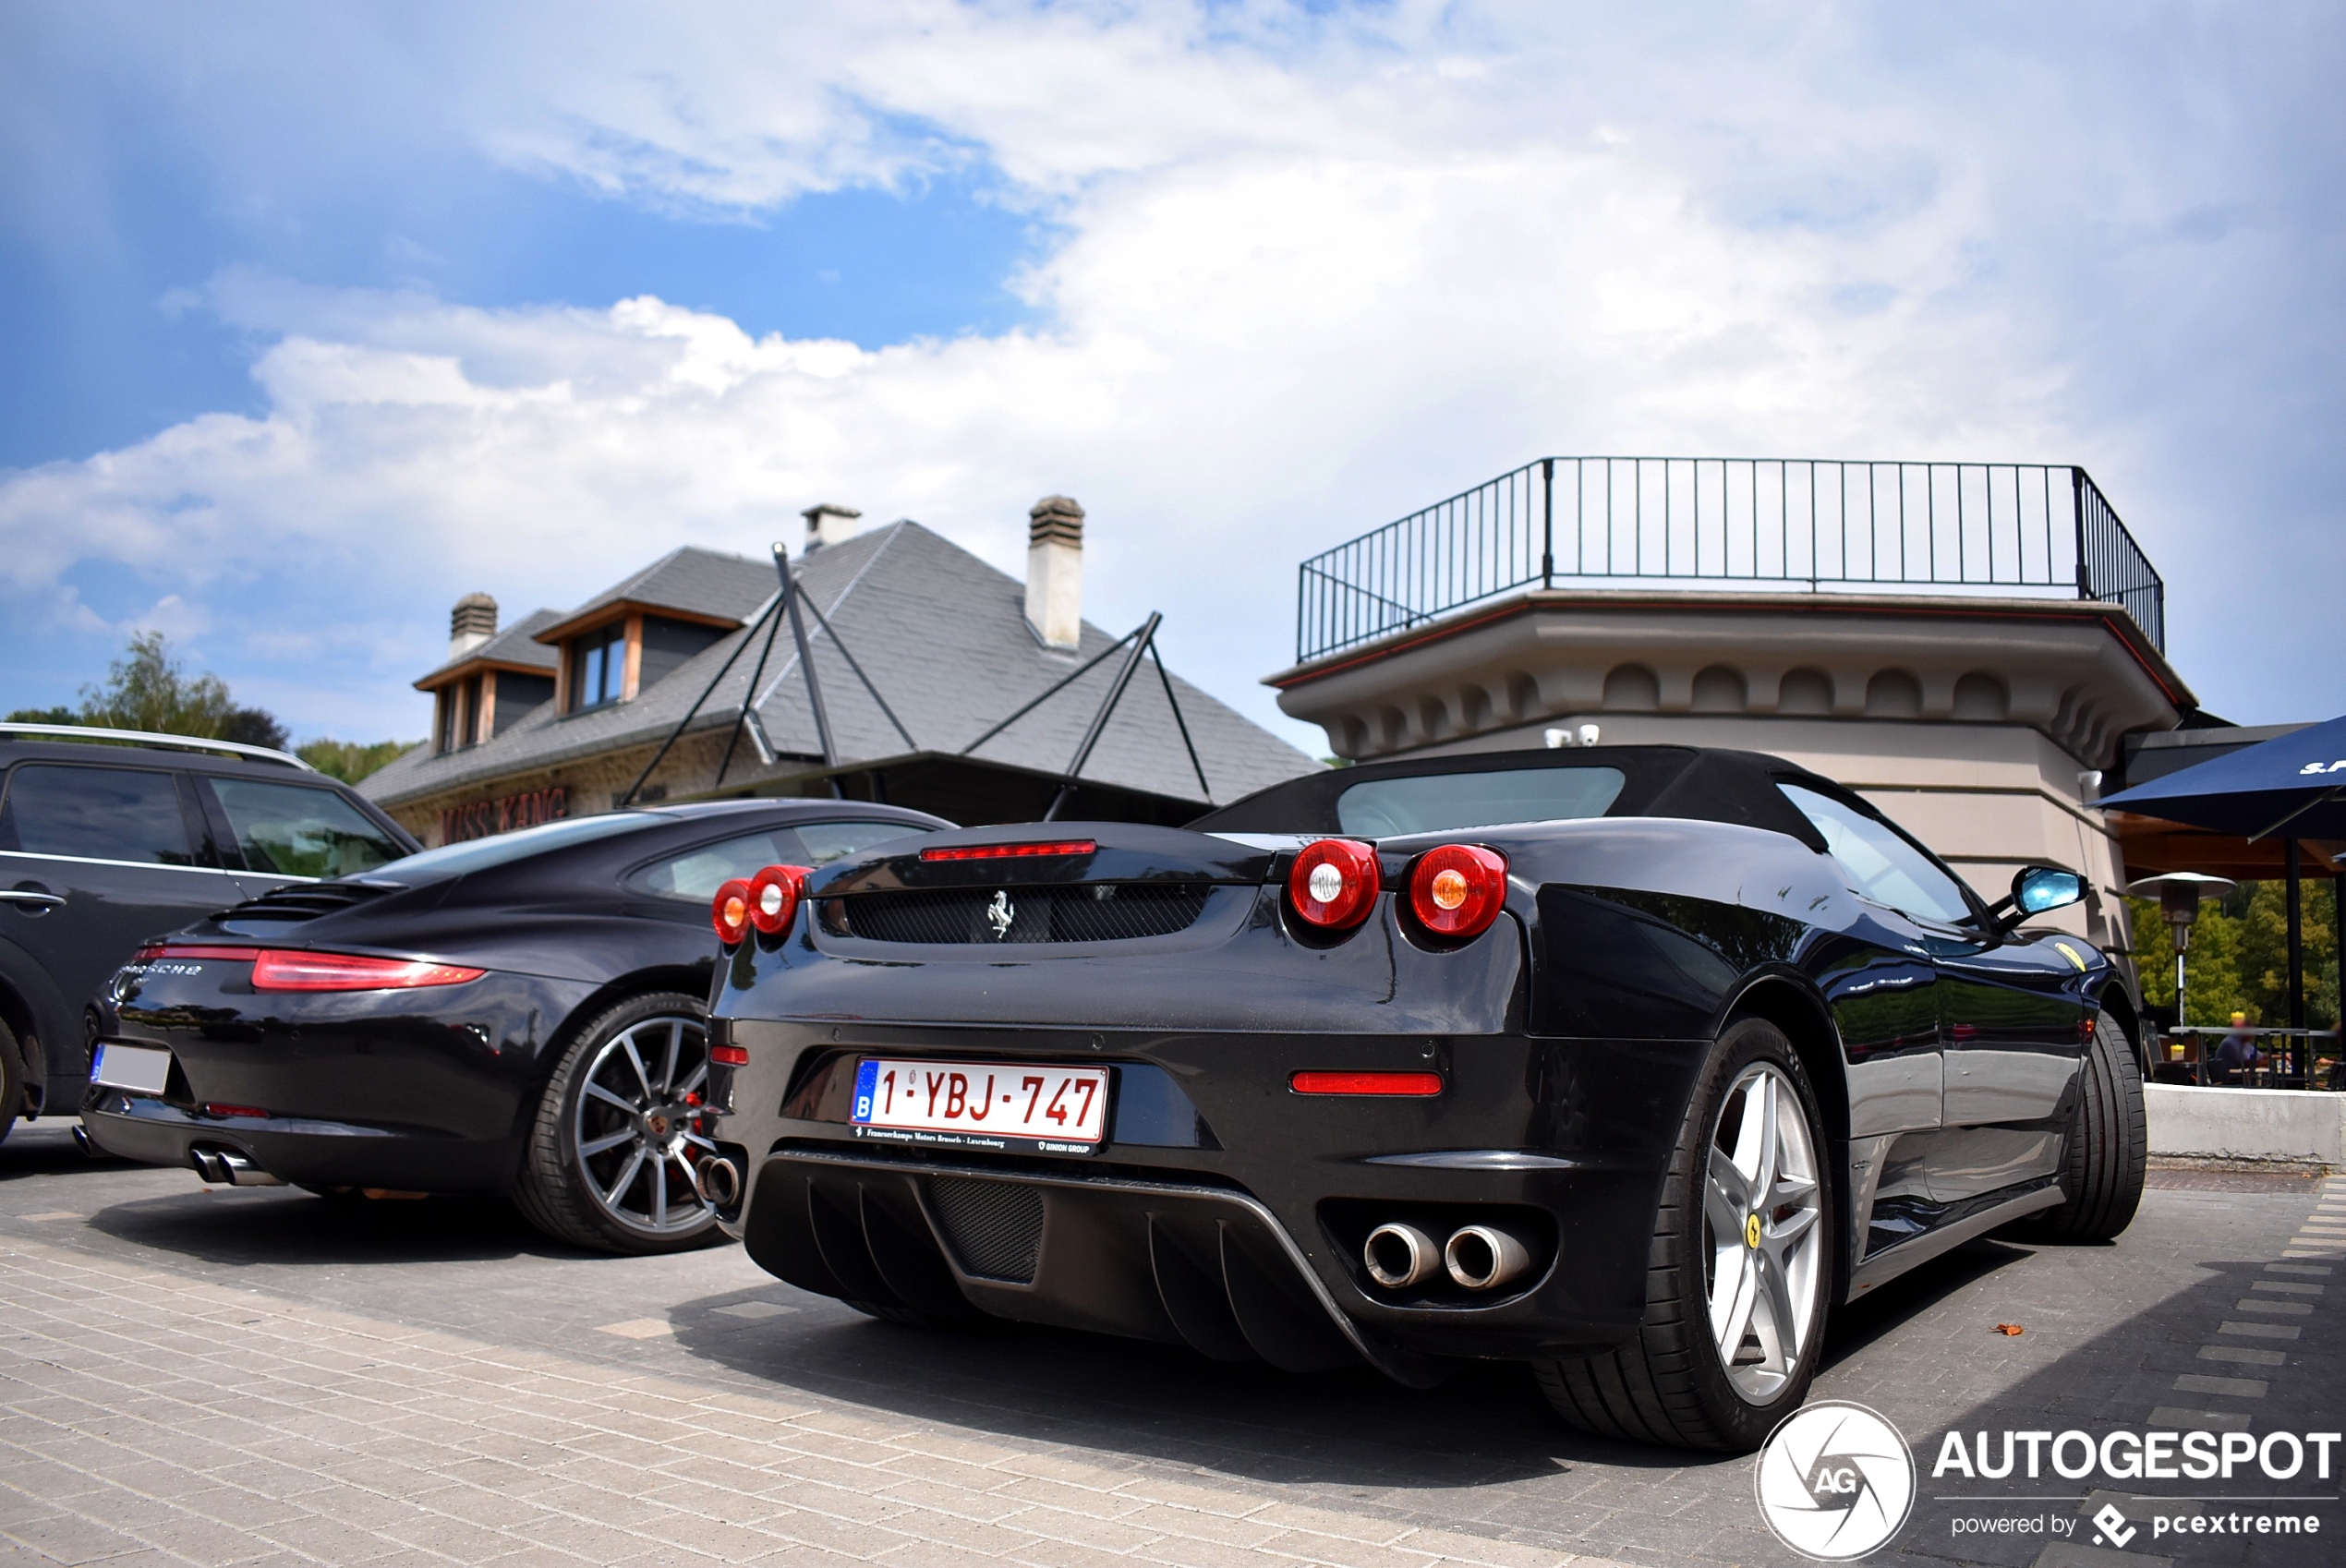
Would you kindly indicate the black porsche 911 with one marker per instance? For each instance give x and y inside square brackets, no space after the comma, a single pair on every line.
[522,1015]
[1626,1061]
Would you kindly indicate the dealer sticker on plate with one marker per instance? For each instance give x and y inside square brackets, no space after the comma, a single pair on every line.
[1008,1106]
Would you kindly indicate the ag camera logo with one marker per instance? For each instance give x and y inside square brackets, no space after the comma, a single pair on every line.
[1835,1481]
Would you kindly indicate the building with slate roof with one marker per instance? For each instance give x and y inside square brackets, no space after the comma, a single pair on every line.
[559,713]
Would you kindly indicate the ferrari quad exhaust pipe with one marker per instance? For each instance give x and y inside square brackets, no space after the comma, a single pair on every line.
[228,1167]
[1485,1257]
[83,1142]
[1400,1255]
[719,1182]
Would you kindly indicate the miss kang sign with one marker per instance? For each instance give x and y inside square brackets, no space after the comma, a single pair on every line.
[482,818]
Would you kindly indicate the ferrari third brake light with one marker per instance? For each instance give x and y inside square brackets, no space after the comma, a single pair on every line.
[277,971]
[1008,851]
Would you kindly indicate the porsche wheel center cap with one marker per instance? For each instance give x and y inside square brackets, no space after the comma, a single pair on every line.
[658,1126]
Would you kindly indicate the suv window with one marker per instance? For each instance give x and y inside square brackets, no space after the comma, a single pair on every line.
[108,814]
[300,830]
[1880,861]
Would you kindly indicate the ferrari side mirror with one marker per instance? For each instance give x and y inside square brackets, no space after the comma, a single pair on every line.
[2037,889]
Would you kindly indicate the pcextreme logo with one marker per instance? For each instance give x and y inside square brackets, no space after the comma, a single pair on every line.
[1835,1481]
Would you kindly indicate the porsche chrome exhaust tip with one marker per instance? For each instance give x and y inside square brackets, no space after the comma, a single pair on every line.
[1400,1255]
[1485,1257]
[719,1182]
[230,1167]
[87,1145]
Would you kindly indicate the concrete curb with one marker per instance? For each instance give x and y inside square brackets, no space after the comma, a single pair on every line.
[2293,1126]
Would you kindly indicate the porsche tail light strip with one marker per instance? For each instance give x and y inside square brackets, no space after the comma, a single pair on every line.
[1333,884]
[154,950]
[1458,890]
[274,970]
[1010,851]
[1411,1084]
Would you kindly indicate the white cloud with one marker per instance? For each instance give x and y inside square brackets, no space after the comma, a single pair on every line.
[1315,273]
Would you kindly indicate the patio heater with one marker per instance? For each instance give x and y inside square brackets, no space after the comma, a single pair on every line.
[2179,893]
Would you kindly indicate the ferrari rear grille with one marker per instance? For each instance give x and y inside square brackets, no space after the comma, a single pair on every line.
[1099,911]
[996,1226]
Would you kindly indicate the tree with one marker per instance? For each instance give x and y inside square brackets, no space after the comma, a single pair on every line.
[146,689]
[348,762]
[2239,956]
[45,715]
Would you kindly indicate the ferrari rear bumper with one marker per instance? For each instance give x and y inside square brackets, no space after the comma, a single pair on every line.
[1176,1262]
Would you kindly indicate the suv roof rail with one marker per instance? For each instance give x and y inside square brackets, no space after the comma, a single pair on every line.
[148,738]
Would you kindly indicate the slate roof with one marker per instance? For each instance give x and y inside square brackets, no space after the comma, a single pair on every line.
[700,582]
[944,637]
[516,643]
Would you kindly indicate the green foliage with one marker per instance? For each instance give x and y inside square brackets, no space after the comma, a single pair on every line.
[45,715]
[2239,956]
[350,762]
[147,690]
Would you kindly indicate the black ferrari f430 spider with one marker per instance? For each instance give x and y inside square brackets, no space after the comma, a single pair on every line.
[1629,1063]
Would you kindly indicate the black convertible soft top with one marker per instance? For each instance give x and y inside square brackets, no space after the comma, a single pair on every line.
[1698,782]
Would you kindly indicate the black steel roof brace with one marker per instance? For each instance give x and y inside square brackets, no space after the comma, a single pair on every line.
[807,667]
[767,616]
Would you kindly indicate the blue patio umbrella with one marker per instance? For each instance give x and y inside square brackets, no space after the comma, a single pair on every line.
[2291,787]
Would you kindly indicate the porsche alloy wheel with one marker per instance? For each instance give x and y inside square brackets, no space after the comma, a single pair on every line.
[1764,1246]
[618,1131]
[1739,1287]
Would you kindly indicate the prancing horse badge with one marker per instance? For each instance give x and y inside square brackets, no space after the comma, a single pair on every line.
[1000,915]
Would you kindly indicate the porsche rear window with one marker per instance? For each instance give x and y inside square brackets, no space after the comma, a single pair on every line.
[1435,803]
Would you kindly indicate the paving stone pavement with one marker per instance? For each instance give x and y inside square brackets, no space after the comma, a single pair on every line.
[259,1376]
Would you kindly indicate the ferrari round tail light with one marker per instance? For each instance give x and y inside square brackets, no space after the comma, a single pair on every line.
[1458,890]
[1333,884]
[277,971]
[773,897]
[729,912]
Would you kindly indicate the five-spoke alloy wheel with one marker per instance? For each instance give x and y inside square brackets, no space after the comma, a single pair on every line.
[1741,1276]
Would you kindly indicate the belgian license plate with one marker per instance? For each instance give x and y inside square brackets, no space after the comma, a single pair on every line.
[130,1067]
[996,1105]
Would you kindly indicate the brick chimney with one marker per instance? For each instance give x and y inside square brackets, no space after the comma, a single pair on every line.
[1055,571]
[828,524]
[471,623]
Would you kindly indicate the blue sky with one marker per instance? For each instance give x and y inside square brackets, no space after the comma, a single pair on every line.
[322,316]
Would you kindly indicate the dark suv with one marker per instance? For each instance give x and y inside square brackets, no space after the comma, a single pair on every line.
[109,837]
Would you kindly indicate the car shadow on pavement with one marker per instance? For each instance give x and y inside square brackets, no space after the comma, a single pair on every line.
[285,1225]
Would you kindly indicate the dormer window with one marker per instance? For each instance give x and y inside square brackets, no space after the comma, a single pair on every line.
[599,666]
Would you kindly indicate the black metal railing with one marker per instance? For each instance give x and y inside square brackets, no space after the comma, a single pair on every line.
[1820,524]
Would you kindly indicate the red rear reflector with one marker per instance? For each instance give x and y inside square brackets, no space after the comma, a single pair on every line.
[729,912]
[1010,851]
[1333,884]
[214,1108]
[729,1056]
[773,896]
[183,950]
[276,970]
[1458,890]
[1417,1083]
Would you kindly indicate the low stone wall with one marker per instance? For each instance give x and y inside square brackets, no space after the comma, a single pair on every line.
[2277,1126]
